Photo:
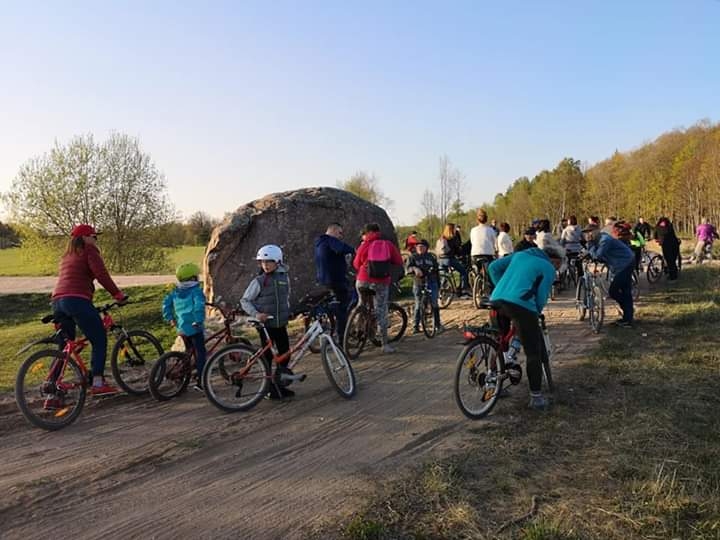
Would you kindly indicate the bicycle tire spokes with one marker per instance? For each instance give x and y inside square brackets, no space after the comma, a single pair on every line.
[236,378]
[50,390]
[479,376]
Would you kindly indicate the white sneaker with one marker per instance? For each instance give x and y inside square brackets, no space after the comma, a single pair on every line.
[388,349]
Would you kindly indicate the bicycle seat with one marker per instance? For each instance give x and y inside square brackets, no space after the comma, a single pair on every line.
[366,290]
[485,304]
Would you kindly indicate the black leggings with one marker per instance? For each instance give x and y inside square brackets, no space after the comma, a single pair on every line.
[528,331]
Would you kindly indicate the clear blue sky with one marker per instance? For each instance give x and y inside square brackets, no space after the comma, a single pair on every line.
[235,100]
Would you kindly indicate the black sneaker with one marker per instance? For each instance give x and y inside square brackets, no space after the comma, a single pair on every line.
[286,392]
[623,323]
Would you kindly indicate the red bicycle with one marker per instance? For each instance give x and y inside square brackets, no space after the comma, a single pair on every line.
[171,374]
[51,385]
[481,371]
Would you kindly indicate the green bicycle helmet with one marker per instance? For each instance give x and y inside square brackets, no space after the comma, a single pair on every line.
[186,271]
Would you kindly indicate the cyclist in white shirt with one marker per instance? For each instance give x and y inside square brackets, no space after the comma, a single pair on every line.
[482,237]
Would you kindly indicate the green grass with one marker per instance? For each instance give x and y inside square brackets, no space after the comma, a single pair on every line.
[630,448]
[20,324]
[185,254]
[15,262]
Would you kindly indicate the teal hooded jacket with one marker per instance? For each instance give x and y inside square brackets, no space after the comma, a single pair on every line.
[185,305]
[524,278]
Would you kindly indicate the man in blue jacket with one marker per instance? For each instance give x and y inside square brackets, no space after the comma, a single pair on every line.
[331,266]
[522,287]
[621,260]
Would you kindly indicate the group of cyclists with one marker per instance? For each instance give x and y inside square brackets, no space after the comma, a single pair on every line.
[521,276]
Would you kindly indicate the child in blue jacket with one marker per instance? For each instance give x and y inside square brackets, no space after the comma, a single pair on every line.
[184,308]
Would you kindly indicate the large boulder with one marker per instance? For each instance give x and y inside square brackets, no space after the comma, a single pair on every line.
[292,220]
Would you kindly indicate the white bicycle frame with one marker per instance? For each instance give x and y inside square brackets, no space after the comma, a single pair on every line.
[314,333]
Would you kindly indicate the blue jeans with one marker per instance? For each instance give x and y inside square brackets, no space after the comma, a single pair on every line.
[453,263]
[621,291]
[433,286]
[198,343]
[71,310]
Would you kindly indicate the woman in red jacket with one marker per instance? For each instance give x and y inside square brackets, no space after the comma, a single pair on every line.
[72,298]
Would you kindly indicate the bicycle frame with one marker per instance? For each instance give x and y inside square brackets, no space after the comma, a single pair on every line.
[296,352]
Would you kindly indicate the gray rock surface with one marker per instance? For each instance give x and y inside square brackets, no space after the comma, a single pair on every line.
[292,220]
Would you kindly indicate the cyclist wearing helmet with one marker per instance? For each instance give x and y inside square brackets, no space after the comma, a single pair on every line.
[267,298]
[72,298]
[184,308]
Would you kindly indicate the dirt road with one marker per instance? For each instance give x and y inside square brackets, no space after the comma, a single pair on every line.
[20,285]
[131,467]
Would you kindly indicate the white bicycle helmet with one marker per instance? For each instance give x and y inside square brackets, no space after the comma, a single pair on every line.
[270,252]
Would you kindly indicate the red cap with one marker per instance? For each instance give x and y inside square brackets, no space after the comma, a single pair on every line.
[83,230]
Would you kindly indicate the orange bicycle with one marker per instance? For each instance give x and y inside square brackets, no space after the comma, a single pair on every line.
[51,385]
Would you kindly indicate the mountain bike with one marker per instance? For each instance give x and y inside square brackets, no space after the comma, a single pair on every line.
[450,283]
[237,377]
[590,296]
[397,318]
[657,266]
[427,312]
[51,385]
[171,374]
[481,281]
[480,372]
[362,325]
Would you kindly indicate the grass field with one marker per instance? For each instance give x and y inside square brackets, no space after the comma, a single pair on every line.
[14,262]
[630,448]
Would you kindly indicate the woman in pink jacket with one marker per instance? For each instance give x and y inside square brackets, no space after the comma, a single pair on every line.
[373,261]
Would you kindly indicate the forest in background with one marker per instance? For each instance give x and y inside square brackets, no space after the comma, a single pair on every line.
[676,175]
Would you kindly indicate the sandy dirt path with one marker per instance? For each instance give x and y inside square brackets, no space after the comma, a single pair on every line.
[131,467]
[21,285]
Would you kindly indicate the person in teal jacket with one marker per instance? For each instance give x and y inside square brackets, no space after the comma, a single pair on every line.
[522,287]
[184,308]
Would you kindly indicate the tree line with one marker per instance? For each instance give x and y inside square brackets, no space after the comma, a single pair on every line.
[677,175]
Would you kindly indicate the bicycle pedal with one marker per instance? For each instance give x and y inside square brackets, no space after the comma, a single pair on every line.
[295,377]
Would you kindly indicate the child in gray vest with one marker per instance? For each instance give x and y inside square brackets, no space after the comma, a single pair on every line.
[267,298]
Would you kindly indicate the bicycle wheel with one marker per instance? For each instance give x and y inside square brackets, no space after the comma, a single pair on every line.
[234,379]
[477,381]
[356,332]
[327,320]
[446,292]
[580,300]
[655,268]
[597,308]
[337,368]
[50,392]
[132,359]
[477,290]
[546,347]
[428,317]
[397,322]
[170,375]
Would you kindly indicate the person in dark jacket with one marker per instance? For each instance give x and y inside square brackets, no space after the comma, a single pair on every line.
[670,244]
[72,302]
[331,266]
[643,228]
[620,259]
[528,240]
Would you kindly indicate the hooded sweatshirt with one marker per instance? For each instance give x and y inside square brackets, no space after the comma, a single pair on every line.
[705,232]
[361,258]
[524,278]
[185,305]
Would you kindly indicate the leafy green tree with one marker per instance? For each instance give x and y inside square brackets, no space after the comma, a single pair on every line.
[113,185]
[366,186]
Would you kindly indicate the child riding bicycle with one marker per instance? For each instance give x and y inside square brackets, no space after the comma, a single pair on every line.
[267,298]
[184,308]
[424,265]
